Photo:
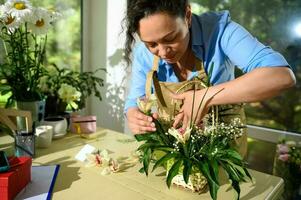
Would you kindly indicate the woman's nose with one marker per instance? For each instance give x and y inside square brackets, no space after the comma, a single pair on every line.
[163,51]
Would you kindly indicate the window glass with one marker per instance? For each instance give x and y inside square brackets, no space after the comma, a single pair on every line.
[64,39]
[277,24]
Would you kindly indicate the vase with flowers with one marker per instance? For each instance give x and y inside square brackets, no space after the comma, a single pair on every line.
[64,87]
[24,35]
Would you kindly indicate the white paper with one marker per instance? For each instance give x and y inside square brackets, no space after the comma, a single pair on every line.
[82,154]
[38,187]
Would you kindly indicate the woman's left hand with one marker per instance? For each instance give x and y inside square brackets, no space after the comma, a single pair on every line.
[195,112]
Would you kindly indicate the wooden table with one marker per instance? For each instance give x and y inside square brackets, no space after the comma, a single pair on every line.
[75,181]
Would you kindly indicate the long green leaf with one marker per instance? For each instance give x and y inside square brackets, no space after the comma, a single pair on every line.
[146,160]
[174,170]
[163,160]
[187,170]
[146,136]
[213,186]
[214,171]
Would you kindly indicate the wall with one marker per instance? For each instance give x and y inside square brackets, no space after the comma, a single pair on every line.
[103,48]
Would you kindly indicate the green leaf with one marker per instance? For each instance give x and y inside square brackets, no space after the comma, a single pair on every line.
[174,170]
[149,145]
[210,73]
[248,174]
[187,170]
[141,170]
[146,160]
[213,186]
[146,136]
[164,159]
[214,171]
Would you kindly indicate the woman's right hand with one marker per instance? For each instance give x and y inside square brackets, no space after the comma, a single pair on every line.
[138,122]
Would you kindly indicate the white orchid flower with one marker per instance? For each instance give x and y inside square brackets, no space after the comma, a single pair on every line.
[180,134]
[145,105]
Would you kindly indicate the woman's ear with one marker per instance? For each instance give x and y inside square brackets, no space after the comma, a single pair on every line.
[188,15]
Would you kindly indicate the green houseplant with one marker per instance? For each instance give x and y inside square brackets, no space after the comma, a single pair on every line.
[64,87]
[24,37]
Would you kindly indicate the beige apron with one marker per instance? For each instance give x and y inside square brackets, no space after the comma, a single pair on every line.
[168,107]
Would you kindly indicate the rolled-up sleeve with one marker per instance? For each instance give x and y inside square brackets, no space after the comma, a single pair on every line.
[140,66]
[246,52]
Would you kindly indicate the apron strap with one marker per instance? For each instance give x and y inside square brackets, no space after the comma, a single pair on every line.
[153,78]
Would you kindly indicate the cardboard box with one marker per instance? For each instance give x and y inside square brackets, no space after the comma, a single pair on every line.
[13,181]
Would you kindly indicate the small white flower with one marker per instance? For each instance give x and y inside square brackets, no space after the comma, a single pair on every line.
[39,21]
[18,8]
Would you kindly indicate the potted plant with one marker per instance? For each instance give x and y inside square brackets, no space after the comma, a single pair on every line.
[24,35]
[64,87]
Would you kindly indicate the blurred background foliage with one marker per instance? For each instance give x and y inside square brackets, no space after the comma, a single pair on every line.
[276,23]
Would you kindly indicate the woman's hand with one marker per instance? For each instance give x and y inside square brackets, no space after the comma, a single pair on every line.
[140,123]
[196,112]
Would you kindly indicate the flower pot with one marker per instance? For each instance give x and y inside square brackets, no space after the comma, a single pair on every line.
[44,136]
[59,125]
[54,106]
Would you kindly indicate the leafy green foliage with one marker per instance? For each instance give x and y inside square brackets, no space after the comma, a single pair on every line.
[87,83]
[207,153]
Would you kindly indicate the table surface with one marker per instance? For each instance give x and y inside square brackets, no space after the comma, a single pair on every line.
[75,181]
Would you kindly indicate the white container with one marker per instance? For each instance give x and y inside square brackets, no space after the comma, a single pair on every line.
[59,125]
[44,135]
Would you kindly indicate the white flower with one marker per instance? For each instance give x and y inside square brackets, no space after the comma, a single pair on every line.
[180,134]
[18,8]
[11,22]
[39,21]
[68,93]
[145,105]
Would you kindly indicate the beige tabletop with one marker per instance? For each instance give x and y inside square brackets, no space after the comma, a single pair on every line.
[75,181]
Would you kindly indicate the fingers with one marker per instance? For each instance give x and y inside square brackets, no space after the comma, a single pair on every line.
[178,119]
[185,122]
[155,115]
[178,96]
[140,123]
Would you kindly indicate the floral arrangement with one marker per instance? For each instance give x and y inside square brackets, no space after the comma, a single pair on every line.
[24,34]
[288,166]
[65,86]
[194,157]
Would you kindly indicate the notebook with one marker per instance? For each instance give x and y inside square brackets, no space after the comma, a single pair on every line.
[41,185]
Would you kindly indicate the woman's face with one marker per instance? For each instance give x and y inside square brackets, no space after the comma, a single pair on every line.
[165,36]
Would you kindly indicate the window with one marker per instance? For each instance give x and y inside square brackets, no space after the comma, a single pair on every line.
[64,40]
[276,24]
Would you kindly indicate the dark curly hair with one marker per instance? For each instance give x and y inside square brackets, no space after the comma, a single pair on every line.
[138,9]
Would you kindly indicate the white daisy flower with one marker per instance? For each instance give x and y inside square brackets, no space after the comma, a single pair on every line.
[12,23]
[39,22]
[18,8]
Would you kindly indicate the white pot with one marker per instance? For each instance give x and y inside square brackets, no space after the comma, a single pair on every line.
[59,125]
[44,135]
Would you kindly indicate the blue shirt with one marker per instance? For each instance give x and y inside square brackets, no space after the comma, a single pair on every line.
[214,39]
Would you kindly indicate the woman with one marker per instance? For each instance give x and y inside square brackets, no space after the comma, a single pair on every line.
[169,31]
